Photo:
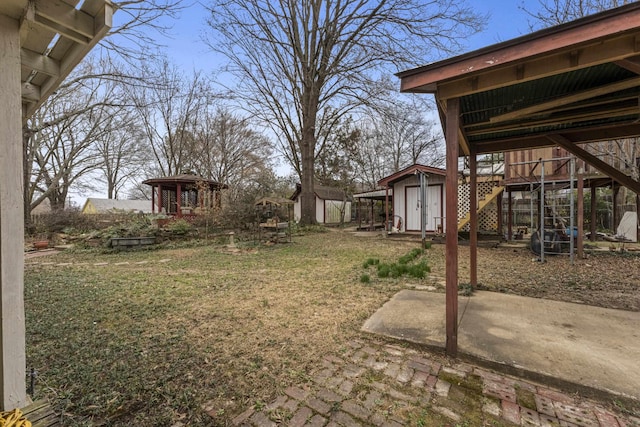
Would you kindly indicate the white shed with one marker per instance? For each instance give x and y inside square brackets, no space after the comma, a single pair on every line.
[405,212]
[331,204]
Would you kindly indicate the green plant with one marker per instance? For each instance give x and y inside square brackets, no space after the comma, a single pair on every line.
[364,278]
[465,289]
[370,261]
[179,226]
[404,266]
[384,270]
[406,259]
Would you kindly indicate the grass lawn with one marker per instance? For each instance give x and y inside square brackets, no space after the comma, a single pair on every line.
[150,336]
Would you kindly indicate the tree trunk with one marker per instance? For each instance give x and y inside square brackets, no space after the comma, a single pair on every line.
[307,194]
[307,154]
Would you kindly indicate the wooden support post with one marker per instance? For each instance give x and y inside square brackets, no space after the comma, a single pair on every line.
[616,190]
[473,220]
[386,209]
[452,146]
[160,201]
[594,218]
[500,224]
[638,217]
[579,239]
[179,200]
[13,392]
[153,199]
[510,216]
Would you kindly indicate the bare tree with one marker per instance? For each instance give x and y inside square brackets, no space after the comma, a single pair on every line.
[58,141]
[170,111]
[229,150]
[623,154]
[555,12]
[304,64]
[407,136]
[122,154]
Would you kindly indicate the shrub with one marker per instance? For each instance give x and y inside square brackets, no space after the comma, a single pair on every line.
[406,259]
[370,261]
[365,278]
[403,267]
[384,270]
[179,226]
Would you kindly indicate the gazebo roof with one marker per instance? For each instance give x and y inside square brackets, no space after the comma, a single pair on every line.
[172,181]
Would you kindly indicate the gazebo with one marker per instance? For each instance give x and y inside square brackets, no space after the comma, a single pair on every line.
[184,195]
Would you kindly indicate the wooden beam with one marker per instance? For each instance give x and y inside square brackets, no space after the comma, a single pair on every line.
[102,22]
[462,138]
[12,324]
[66,17]
[40,63]
[631,64]
[594,217]
[30,92]
[582,135]
[594,161]
[569,99]
[473,223]
[627,108]
[526,67]
[452,132]
[580,239]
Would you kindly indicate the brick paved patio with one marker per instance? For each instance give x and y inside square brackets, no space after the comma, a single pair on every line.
[377,384]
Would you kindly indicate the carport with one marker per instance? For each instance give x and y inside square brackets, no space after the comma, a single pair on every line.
[41,41]
[563,86]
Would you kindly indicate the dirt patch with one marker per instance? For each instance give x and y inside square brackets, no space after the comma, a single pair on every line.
[603,279]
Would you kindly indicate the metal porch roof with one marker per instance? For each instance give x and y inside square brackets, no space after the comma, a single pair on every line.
[571,84]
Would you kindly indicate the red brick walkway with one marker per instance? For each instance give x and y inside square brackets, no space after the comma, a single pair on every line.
[374,384]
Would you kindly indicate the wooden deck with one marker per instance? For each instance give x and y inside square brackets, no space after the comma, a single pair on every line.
[41,414]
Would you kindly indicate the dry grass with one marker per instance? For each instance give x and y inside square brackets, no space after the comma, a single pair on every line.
[150,343]
[154,335]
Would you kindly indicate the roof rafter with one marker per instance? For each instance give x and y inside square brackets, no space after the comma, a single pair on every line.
[568,99]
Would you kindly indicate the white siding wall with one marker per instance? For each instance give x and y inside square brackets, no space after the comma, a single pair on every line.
[319,210]
[327,211]
[297,210]
[406,203]
[333,213]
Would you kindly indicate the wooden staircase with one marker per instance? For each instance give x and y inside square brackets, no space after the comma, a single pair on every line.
[482,203]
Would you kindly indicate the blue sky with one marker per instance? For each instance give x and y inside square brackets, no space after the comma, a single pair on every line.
[187,49]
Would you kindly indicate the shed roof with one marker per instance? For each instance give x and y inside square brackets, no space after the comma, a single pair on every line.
[323,192]
[567,85]
[410,170]
[278,201]
[111,205]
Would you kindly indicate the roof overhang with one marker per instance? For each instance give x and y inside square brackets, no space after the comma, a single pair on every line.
[55,35]
[409,171]
[571,84]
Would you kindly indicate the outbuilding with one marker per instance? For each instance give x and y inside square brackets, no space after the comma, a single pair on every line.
[333,205]
[404,210]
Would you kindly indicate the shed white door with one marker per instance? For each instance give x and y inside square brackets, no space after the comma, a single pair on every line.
[412,208]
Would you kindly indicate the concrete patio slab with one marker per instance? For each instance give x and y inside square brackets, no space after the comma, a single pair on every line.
[588,346]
